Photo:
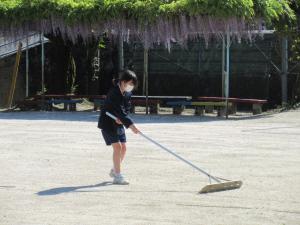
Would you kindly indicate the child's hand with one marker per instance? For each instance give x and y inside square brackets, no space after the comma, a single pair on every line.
[118,121]
[134,129]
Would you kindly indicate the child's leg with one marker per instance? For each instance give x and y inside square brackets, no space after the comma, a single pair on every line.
[117,147]
[123,150]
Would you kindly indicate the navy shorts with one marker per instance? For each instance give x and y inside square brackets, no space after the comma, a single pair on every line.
[111,138]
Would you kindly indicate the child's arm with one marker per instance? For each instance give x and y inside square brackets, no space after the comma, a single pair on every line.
[118,121]
[134,129]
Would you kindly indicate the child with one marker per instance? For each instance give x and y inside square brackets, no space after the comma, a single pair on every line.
[117,102]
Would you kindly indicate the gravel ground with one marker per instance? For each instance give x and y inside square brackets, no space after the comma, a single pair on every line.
[54,170]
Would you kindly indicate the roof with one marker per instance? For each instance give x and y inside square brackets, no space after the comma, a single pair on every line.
[8,46]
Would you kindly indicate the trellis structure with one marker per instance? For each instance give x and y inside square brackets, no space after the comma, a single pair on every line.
[149,21]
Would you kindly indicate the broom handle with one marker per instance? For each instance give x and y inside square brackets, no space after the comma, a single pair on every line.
[179,157]
[171,152]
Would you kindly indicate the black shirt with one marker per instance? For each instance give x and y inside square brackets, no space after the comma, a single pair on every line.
[117,104]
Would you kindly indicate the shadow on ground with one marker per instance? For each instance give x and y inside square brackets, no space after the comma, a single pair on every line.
[61,190]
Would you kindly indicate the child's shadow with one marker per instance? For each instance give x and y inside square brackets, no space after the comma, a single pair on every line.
[60,190]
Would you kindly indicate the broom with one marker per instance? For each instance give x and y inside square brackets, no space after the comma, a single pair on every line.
[220,184]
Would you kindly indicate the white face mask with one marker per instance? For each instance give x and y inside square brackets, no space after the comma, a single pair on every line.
[129,88]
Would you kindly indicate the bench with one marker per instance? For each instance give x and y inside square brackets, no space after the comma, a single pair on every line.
[69,104]
[152,103]
[69,101]
[256,103]
[155,102]
[179,106]
[32,104]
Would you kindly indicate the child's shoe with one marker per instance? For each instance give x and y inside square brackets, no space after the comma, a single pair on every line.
[119,179]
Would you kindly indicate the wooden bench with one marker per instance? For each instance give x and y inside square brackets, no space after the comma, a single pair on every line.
[256,103]
[155,102]
[69,104]
[32,104]
[69,101]
[179,106]
[152,103]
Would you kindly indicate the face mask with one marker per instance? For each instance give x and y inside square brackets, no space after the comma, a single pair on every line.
[129,88]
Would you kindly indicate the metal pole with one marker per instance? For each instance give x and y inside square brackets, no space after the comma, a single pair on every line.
[223,65]
[145,80]
[199,59]
[284,65]
[121,53]
[227,72]
[144,73]
[43,67]
[27,68]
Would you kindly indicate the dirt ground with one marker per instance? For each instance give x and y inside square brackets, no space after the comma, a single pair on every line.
[54,170]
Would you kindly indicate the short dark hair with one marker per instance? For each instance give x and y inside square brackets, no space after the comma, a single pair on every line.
[128,75]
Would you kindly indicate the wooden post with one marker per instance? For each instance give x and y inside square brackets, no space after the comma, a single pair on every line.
[14,76]
[145,79]
[284,65]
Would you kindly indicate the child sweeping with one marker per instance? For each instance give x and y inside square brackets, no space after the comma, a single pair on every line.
[117,102]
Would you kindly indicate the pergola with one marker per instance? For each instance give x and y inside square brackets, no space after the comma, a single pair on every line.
[149,21]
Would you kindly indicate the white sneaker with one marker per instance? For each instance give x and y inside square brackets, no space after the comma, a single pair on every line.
[119,179]
[112,173]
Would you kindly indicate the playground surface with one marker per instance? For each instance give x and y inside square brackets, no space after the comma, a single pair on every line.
[54,170]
